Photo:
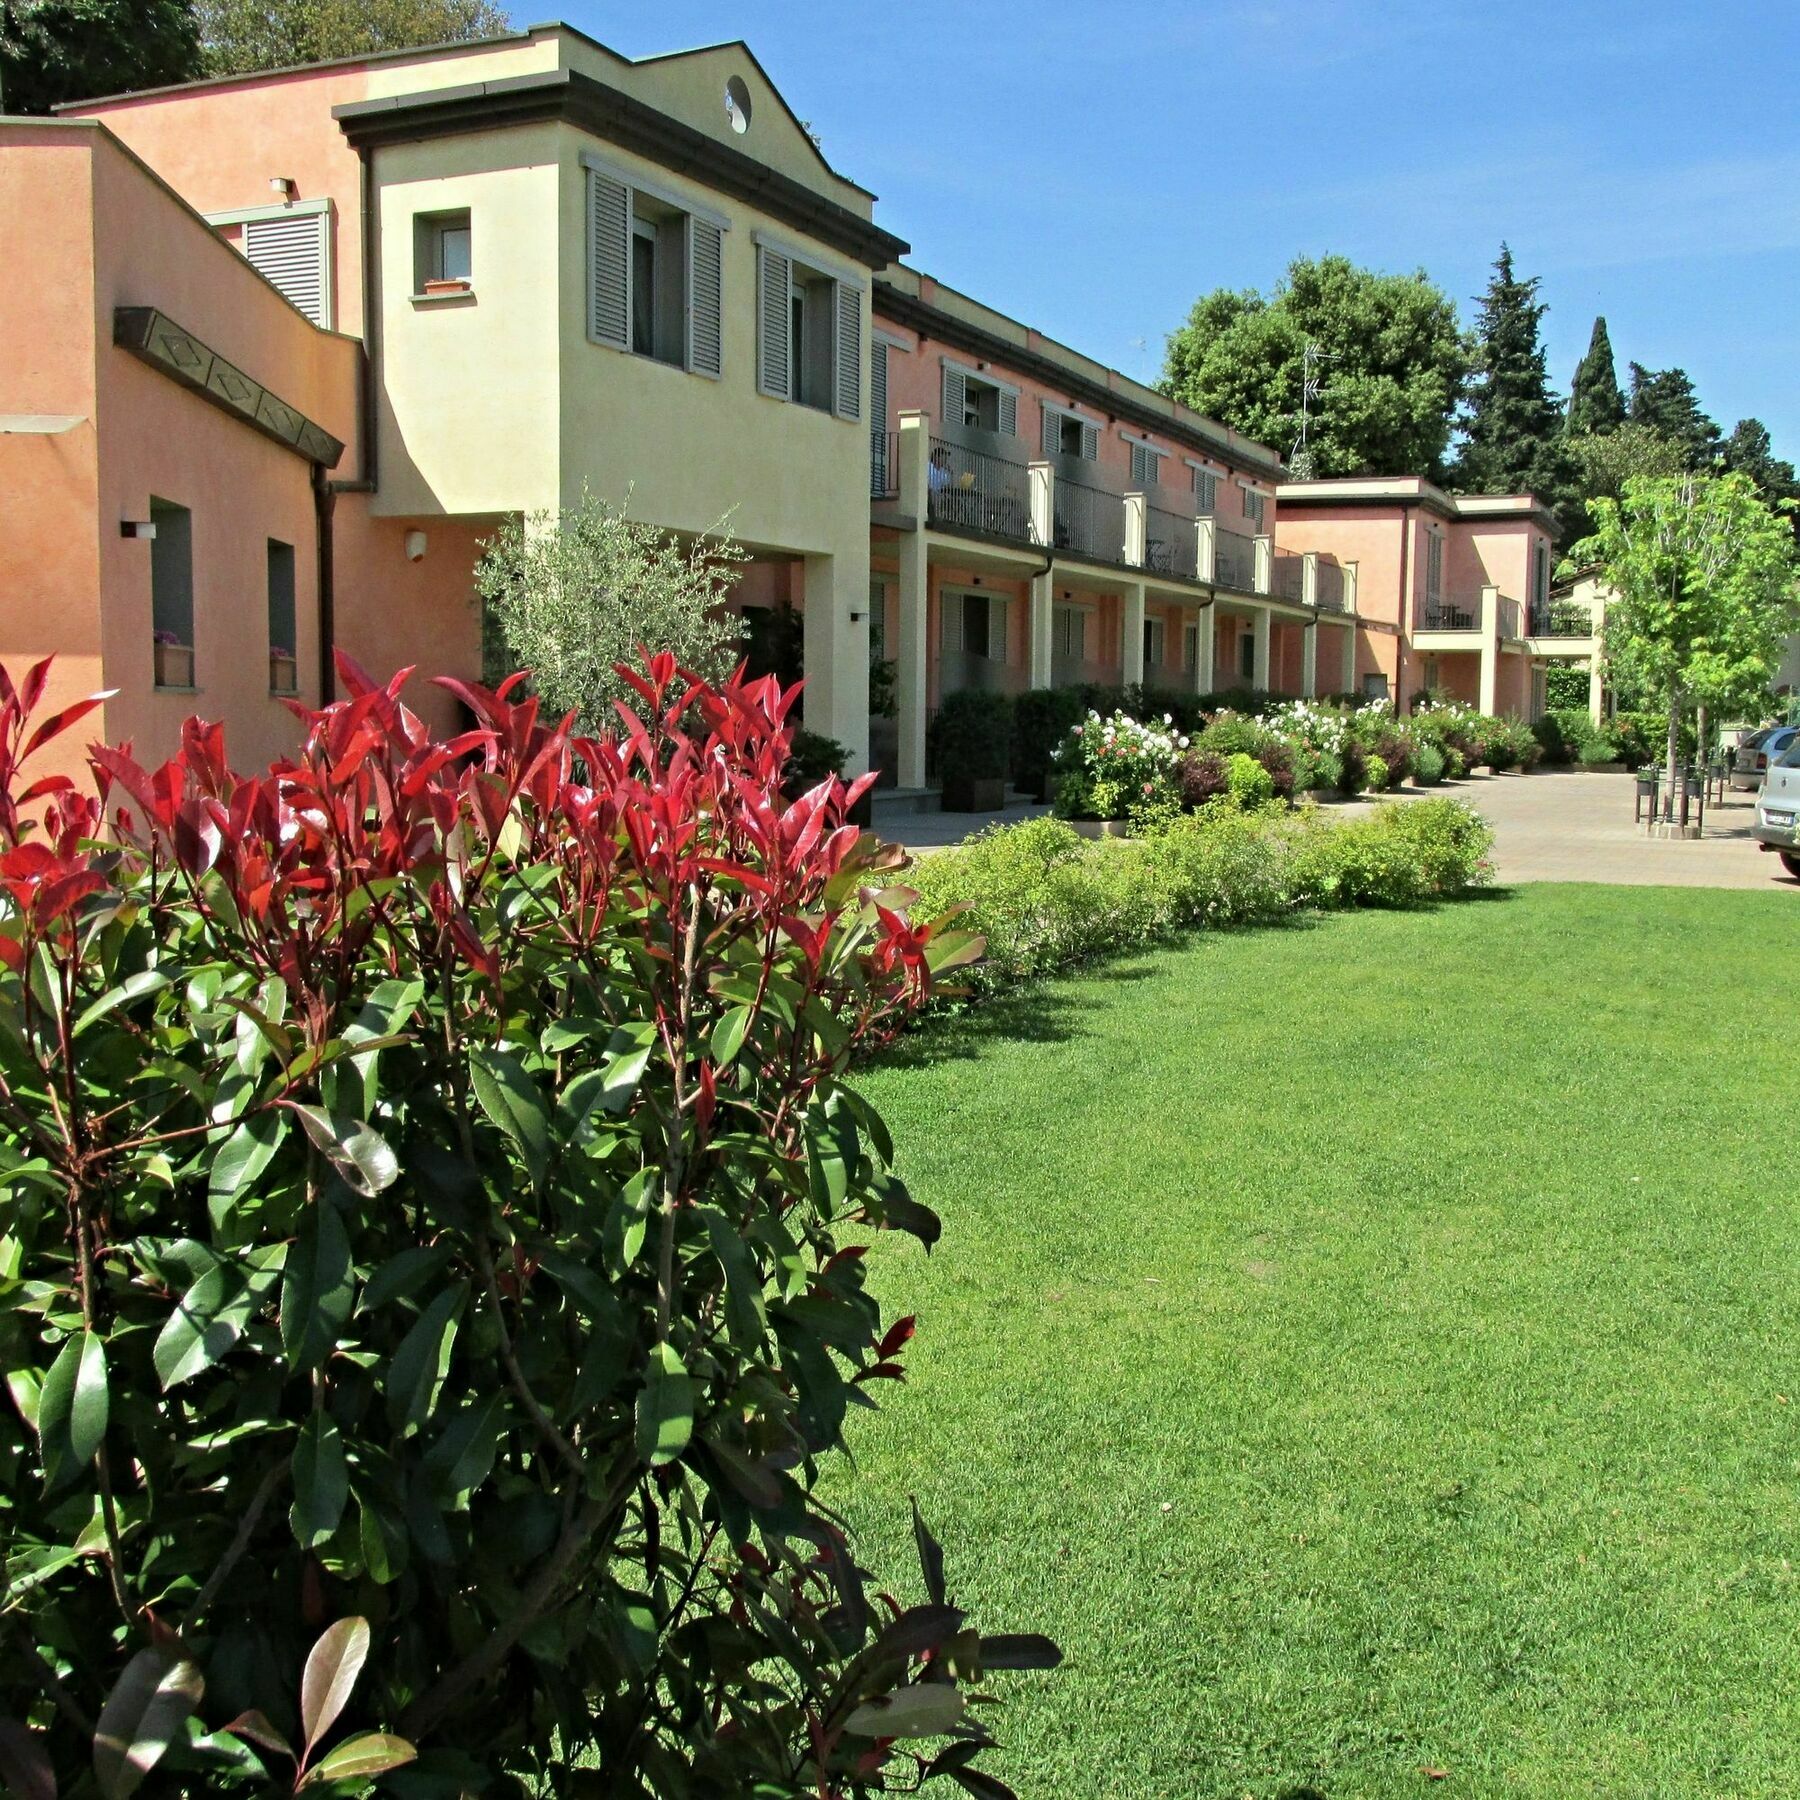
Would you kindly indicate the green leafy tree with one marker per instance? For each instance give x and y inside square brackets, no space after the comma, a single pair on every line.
[1605,461]
[1513,431]
[1596,404]
[1750,451]
[54,51]
[1705,577]
[1394,361]
[244,35]
[573,597]
[1664,399]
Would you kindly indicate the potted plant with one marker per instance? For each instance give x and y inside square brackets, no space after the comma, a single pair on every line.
[284,670]
[1110,767]
[174,661]
[971,740]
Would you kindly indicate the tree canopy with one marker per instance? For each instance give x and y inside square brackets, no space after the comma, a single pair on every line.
[1664,399]
[1596,403]
[55,51]
[244,35]
[1393,364]
[1513,439]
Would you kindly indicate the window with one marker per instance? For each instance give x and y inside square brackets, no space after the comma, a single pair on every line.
[443,250]
[172,593]
[284,668]
[1068,633]
[1069,434]
[1540,574]
[1434,566]
[655,274]
[1254,509]
[1146,466]
[290,246]
[1190,646]
[978,403]
[975,624]
[1154,637]
[1206,490]
[809,327]
[1247,657]
[1375,686]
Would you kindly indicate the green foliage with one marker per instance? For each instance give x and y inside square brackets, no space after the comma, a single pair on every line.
[1665,401]
[1247,782]
[812,758]
[1565,685]
[1605,462]
[1375,773]
[1750,452]
[54,51]
[1596,404]
[1042,718]
[1514,427]
[1397,360]
[574,597]
[1429,765]
[244,35]
[1599,752]
[972,735]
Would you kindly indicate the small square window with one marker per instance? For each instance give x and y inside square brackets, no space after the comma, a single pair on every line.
[443,252]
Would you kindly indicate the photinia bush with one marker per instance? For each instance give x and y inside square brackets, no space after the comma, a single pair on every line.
[432,1221]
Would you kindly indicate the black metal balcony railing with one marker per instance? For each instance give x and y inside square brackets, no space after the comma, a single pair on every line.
[1512,624]
[1234,560]
[1090,522]
[884,465]
[969,490]
[1171,543]
[1561,618]
[1290,574]
[1438,614]
[1328,586]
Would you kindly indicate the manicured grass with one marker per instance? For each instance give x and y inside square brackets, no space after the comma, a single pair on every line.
[1369,1346]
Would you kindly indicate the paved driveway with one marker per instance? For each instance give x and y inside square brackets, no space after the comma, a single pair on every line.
[1569,826]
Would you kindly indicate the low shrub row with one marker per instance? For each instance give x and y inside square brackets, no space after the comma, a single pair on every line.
[1046,899]
[1568,735]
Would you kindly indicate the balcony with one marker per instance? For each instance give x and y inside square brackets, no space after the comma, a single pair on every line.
[1562,618]
[1234,560]
[1090,522]
[1328,586]
[884,465]
[1171,543]
[969,489]
[1290,576]
[1438,614]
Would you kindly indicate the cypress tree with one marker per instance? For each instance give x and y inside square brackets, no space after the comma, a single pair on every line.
[1513,430]
[1596,404]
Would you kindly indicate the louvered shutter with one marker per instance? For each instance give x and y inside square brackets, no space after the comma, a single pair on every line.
[846,386]
[290,252]
[996,629]
[774,293]
[878,392]
[950,611]
[1206,492]
[955,394]
[705,297]
[1090,441]
[1052,432]
[1146,466]
[1009,412]
[609,261]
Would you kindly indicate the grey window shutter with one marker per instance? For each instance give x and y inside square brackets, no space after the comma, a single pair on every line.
[846,386]
[878,398]
[950,618]
[774,287]
[609,260]
[1206,490]
[705,297]
[996,629]
[955,394]
[1052,432]
[290,253]
[1090,441]
[1009,412]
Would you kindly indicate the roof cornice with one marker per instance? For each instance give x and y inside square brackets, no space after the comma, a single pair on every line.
[570,97]
[930,321]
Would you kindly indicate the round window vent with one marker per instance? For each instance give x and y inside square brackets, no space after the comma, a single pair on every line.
[737,104]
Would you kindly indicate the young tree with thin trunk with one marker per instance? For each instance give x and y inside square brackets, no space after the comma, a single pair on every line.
[1707,583]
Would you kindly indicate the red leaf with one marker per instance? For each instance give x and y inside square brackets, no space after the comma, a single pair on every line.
[58,723]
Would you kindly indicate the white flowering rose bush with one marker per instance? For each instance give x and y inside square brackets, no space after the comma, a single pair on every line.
[1109,766]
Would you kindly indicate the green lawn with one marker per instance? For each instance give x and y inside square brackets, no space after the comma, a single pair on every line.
[1368,1346]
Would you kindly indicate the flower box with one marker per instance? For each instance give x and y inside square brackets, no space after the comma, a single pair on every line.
[174,665]
[440,287]
[284,672]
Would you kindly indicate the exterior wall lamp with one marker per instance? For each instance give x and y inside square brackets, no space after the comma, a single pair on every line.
[136,528]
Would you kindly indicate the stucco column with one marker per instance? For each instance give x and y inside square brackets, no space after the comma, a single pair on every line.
[1042,476]
[1206,548]
[1348,684]
[1203,652]
[1137,529]
[1490,648]
[1596,689]
[1309,660]
[1262,619]
[1264,562]
[1040,612]
[1131,611]
[1309,578]
[910,673]
[835,650]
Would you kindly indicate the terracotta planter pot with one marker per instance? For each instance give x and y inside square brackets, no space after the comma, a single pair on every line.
[174,665]
[438,287]
[974,793]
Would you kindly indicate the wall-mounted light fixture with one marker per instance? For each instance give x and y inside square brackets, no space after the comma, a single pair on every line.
[856,618]
[416,546]
[136,528]
[284,185]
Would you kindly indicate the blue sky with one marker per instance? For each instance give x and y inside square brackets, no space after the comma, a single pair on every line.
[1091,168]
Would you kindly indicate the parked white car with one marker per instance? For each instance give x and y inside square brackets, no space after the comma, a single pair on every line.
[1757,753]
[1777,825]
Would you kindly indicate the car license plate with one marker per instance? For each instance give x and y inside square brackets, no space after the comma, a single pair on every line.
[1772,817]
